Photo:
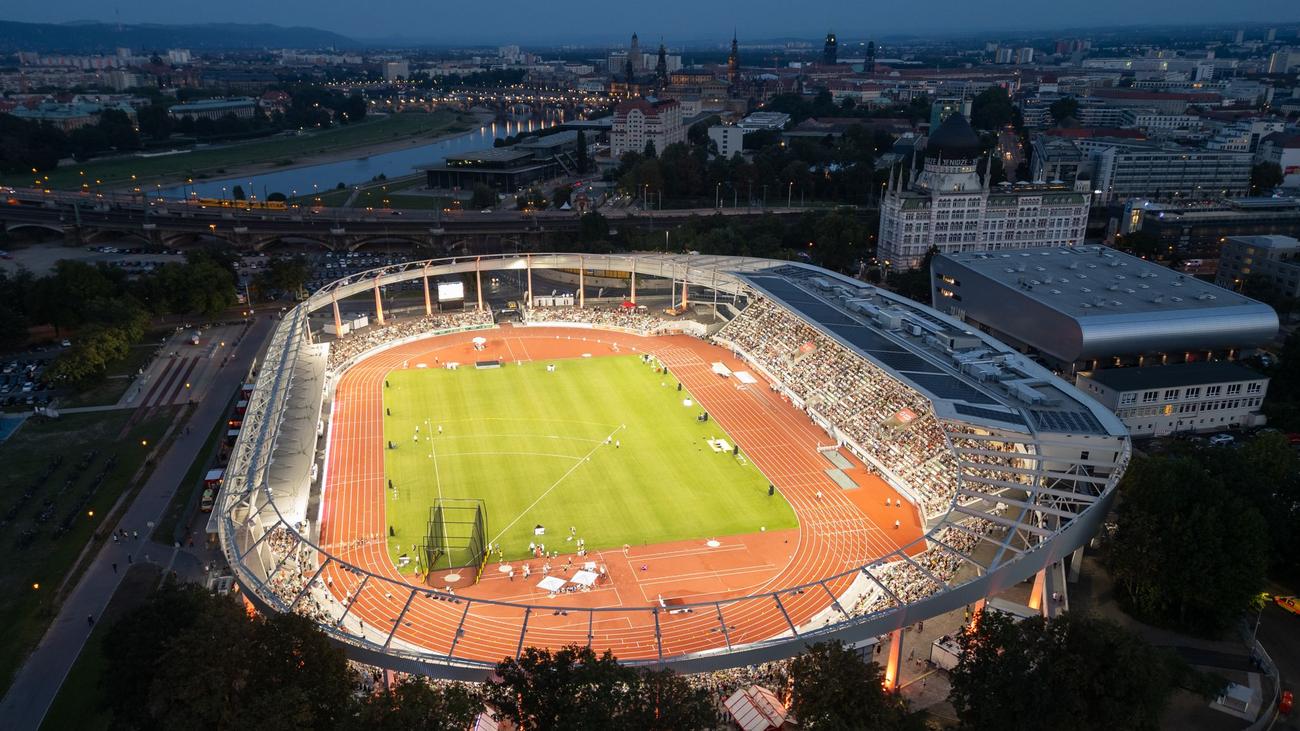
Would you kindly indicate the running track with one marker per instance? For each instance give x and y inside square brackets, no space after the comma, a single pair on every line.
[835,533]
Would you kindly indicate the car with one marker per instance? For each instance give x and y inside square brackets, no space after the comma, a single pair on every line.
[66,343]
[1222,440]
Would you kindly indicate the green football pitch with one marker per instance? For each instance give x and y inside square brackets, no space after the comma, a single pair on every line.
[604,445]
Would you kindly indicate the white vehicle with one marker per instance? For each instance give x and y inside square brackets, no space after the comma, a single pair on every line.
[1222,440]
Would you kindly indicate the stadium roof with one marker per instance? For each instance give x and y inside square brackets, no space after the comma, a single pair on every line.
[1173,376]
[966,375]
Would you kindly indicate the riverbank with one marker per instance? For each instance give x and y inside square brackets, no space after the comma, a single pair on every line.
[372,137]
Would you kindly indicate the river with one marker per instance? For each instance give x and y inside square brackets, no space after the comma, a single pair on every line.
[307,179]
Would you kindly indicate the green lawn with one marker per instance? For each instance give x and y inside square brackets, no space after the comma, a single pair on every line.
[211,162]
[531,445]
[32,552]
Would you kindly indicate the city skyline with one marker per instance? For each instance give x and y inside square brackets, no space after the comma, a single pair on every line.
[514,22]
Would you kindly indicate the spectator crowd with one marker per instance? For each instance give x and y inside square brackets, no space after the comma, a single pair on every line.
[353,344]
[624,317]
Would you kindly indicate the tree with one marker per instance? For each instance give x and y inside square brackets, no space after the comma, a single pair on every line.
[574,688]
[1073,672]
[237,193]
[192,659]
[665,701]
[531,199]
[649,151]
[560,196]
[483,197]
[571,688]
[1064,108]
[1264,177]
[287,274]
[835,688]
[992,109]
[915,283]
[592,227]
[414,703]
[1187,553]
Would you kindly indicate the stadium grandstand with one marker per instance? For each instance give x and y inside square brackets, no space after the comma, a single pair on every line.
[1009,469]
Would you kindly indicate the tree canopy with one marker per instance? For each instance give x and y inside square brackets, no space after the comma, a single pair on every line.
[189,659]
[992,109]
[835,688]
[1187,552]
[574,688]
[1074,672]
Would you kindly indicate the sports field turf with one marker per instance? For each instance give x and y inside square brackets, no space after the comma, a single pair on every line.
[532,445]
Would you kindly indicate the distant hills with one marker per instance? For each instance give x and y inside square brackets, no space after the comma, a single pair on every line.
[91,37]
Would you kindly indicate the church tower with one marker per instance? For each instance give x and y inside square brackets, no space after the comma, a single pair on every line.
[733,61]
[830,51]
[634,54]
[661,68]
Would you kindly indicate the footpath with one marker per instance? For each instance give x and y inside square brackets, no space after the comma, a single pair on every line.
[38,681]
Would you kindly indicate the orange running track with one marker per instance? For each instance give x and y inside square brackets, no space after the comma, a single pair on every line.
[837,532]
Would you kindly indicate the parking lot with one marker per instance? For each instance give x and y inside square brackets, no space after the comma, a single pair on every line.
[21,386]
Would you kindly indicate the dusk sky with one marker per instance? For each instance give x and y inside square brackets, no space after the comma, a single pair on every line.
[507,21]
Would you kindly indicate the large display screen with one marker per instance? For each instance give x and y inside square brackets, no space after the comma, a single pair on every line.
[451,291]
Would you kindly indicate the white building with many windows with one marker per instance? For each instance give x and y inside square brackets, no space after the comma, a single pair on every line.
[1155,401]
[946,205]
[638,121]
[729,139]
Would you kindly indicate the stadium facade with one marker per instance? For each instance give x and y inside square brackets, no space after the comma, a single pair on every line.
[1011,468]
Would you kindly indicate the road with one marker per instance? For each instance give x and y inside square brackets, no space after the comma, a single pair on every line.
[1279,633]
[38,681]
[128,213]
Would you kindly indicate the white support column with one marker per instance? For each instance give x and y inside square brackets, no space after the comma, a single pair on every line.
[530,280]
[478,282]
[428,303]
[894,664]
[582,283]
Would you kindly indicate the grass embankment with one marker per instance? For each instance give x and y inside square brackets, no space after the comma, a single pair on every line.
[35,552]
[532,445]
[80,703]
[279,150]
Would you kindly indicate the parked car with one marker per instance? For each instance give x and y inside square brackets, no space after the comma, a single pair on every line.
[1221,440]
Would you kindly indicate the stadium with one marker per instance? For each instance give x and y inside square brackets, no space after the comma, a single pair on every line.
[696,462]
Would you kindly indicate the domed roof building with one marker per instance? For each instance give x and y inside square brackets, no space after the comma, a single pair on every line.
[955,139]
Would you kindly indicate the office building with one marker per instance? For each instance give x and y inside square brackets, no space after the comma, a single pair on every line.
[1283,149]
[395,70]
[1156,401]
[638,121]
[1090,307]
[1271,260]
[241,107]
[1125,168]
[508,169]
[942,109]
[948,206]
[1199,229]
[729,139]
